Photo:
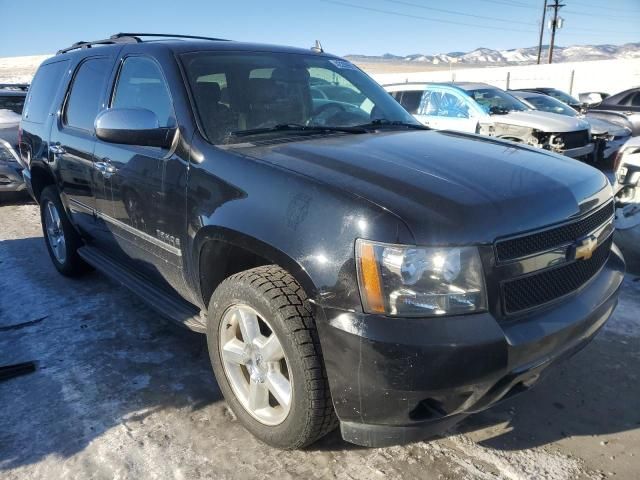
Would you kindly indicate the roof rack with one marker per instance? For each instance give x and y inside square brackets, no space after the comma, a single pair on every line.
[15,86]
[132,38]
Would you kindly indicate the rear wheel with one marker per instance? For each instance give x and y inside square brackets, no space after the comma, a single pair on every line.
[61,238]
[266,356]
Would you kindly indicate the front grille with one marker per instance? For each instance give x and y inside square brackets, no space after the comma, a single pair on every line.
[553,237]
[540,288]
[574,139]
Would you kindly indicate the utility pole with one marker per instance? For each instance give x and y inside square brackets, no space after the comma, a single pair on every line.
[554,25]
[544,14]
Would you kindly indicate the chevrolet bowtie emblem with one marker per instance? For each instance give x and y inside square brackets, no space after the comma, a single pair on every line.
[585,247]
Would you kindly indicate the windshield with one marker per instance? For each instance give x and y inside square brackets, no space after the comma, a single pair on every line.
[496,102]
[239,94]
[550,104]
[12,102]
[563,97]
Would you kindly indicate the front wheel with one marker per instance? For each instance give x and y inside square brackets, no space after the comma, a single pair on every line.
[266,356]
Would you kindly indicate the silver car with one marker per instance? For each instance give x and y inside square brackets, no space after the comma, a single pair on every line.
[487,110]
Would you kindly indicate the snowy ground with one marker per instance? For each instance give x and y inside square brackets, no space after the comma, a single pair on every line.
[119,393]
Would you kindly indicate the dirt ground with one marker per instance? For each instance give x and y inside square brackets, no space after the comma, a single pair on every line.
[120,393]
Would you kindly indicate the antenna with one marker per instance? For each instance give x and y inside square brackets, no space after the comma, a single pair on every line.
[317,47]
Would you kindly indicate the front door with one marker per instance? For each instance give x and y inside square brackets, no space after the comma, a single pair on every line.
[145,219]
[72,142]
[444,110]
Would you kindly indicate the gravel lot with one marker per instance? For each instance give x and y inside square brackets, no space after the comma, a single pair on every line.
[120,393]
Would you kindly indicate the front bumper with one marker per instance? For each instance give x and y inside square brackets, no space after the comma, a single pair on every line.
[579,151]
[397,380]
[11,177]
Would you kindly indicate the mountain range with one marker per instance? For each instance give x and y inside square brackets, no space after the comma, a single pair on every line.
[576,53]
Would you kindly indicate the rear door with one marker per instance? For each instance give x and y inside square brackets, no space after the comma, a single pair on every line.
[72,141]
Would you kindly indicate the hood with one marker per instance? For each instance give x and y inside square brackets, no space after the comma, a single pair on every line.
[543,121]
[448,187]
[604,127]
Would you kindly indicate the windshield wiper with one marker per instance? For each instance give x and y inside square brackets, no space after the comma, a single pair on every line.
[383,122]
[297,127]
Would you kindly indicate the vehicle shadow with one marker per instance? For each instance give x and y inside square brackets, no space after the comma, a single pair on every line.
[105,361]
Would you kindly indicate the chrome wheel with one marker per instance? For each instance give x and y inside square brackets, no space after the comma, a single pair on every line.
[55,233]
[255,365]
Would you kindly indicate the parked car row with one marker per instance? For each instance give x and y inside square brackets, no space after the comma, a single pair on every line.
[531,116]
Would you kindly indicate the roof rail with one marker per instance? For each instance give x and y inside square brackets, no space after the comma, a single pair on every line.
[166,35]
[15,86]
[106,41]
[133,38]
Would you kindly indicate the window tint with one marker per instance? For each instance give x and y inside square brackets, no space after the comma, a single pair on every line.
[84,101]
[141,85]
[635,102]
[444,104]
[43,90]
[411,100]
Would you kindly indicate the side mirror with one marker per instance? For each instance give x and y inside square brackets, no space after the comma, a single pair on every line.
[133,126]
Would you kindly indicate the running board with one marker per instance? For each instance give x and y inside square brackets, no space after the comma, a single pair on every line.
[168,304]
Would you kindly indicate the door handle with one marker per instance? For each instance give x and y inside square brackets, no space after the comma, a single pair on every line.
[57,149]
[105,168]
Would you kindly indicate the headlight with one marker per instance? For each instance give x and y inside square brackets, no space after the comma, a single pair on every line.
[413,281]
[6,152]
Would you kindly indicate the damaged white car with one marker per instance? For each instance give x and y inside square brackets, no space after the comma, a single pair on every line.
[487,110]
[627,185]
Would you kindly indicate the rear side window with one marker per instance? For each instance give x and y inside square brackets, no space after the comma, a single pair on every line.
[84,101]
[43,91]
[141,85]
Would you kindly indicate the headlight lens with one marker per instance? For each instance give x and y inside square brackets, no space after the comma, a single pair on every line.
[6,154]
[413,281]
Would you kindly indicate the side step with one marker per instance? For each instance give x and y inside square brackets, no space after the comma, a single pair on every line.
[168,304]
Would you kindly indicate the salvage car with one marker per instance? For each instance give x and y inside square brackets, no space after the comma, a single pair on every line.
[627,185]
[564,97]
[10,168]
[11,103]
[12,96]
[608,137]
[621,106]
[487,110]
[348,267]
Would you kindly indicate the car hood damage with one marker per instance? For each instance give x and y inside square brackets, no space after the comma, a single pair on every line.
[448,187]
[543,121]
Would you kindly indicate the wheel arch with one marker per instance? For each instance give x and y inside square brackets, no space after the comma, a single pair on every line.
[41,177]
[220,252]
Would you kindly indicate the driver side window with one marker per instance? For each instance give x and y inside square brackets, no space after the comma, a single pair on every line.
[141,85]
[443,104]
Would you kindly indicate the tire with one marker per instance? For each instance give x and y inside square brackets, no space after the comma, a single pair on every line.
[56,226]
[282,309]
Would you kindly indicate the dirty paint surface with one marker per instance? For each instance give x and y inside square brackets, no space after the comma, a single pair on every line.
[120,393]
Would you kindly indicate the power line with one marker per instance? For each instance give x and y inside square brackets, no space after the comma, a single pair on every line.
[452,12]
[419,17]
[608,8]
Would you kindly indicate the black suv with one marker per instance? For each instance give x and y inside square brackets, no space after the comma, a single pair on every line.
[347,265]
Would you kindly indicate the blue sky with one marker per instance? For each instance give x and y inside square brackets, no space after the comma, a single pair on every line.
[370,27]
